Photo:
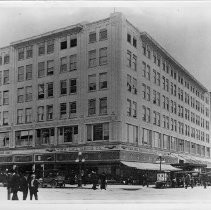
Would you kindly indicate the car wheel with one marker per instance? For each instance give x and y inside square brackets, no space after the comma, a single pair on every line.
[53,184]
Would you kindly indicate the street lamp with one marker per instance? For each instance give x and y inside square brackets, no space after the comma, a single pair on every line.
[79,160]
[160,159]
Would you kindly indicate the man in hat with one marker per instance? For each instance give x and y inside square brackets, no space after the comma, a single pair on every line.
[15,184]
[24,185]
[33,187]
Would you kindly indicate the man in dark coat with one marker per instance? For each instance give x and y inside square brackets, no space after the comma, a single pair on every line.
[33,187]
[94,180]
[8,177]
[15,184]
[24,185]
[103,181]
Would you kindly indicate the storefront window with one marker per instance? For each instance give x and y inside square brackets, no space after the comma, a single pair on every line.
[24,138]
[98,132]
[68,134]
[4,139]
[45,136]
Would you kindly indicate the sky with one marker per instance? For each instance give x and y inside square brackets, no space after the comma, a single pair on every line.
[183,29]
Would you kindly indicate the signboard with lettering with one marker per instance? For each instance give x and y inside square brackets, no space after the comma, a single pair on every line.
[44,157]
[23,158]
[5,159]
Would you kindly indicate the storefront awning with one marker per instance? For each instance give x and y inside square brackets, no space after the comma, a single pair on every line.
[150,166]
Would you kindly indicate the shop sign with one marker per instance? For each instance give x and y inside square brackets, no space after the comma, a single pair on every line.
[44,157]
[23,158]
[5,159]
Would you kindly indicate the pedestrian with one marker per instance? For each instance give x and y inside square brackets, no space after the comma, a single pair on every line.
[204,180]
[33,187]
[103,181]
[15,184]
[8,177]
[187,180]
[24,185]
[94,180]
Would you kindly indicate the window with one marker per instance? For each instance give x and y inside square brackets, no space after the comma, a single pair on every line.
[41,69]
[144,69]
[0,60]
[92,58]
[20,74]
[28,115]
[134,86]
[5,118]
[41,48]
[49,114]
[92,82]
[98,132]
[103,81]
[73,62]
[158,79]
[103,106]
[129,38]
[134,114]
[129,83]
[148,52]
[40,113]
[129,107]
[41,93]
[0,98]
[24,138]
[28,93]
[63,43]
[129,57]
[73,42]
[29,72]
[4,139]
[63,110]
[132,134]
[50,46]
[6,59]
[6,97]
[146,136]
[103,56]
[134,63]
[148,72]
[63,64]
[134,42]
[45,136]
[20,54]
[103,34]
[6,77]
[73,86]
[29,52]
[50,89]
[73,109]
[68,134]
[91,106]
[50,67]
[92,37]
[0,78]
[20,95]
[157,140]
[20,118]
[63,87]
[144,48]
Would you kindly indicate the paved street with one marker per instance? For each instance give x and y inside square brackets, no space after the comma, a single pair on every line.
[122,193]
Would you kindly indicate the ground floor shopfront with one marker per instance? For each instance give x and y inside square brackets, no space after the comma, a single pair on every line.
[119,162]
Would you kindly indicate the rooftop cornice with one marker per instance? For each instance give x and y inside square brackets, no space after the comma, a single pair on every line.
[59,32]
[147,36]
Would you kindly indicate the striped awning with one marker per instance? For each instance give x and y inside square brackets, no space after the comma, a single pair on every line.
[150,166]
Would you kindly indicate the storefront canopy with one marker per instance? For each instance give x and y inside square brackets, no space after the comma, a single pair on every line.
[150,166]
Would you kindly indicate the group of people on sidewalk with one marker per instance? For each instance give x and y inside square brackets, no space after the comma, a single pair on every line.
[96,178]
[21,182]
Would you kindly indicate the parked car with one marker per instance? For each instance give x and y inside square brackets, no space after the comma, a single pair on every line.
[53,178]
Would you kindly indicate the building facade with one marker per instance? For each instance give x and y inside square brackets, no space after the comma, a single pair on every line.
[105,89]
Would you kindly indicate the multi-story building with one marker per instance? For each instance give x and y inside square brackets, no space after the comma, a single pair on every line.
[103,88]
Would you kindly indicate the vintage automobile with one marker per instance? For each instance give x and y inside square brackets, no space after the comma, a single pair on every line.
[53,178]
[163,180]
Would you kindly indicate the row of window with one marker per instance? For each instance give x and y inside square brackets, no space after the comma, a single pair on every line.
[166,67]
[172,124]
[132,40]
[103,35]
[4,60]
[46,136]
[162,141]
[172,88]
[67,110]
[169,105]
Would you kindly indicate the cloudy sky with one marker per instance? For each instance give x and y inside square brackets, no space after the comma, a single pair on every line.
[182,28]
